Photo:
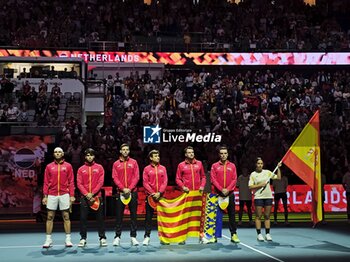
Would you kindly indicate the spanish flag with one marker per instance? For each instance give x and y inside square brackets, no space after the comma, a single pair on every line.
[304,159]
[179,218]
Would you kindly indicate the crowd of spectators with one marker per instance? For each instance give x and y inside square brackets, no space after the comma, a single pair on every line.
[257,112]
[28,104]
[257,24]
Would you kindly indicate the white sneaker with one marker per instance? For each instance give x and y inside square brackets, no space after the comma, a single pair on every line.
[268,237]
[103,242]
[146,241]
[48,243]
[68,242]
[116,241]
[205,240]
[260,237]
[134,241]
[82,243]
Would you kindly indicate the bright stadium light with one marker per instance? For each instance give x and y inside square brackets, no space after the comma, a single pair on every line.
[310,2]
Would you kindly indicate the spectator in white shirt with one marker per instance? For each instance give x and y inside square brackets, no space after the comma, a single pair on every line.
[12,113]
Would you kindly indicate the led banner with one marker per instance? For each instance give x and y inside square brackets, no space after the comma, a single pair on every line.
[20,165]
[299,198]
[181,58]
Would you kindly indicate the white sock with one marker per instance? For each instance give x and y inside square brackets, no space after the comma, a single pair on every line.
[48,237]
[67,236]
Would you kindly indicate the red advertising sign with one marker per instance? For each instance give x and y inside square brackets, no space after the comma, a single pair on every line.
[299,198]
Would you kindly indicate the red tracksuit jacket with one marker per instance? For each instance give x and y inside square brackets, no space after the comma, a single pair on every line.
[58,179]
[223,176]
[90,178]
[190,175]
[155,179]
[126,174]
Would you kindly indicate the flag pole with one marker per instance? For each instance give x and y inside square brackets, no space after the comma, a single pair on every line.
[268,181]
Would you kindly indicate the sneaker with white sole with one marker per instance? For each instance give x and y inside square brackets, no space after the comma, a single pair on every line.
[82,243]
[146,241]
[116,241]
[204,240]
[268,237]
[103,242]
[260,237]
[68,242]
[48,243]
[134,241]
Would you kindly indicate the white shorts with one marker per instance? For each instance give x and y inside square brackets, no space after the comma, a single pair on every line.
[63,202]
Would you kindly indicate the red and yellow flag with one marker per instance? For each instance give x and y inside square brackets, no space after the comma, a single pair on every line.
[179,218]
[304,159]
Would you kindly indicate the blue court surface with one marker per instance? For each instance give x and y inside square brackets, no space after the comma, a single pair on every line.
[295,243]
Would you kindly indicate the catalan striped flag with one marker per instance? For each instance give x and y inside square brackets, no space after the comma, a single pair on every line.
[179,218]
[304,159]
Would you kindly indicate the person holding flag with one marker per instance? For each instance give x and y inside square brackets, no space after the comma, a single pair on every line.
[304,159]
[58,193]
[155,180]
[125,174]
[259,182]
[223,177]
[90,179]
[190,174]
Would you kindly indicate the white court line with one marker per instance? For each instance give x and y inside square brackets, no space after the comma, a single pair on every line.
[256,250]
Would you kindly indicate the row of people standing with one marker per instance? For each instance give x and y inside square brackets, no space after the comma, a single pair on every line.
[59,191]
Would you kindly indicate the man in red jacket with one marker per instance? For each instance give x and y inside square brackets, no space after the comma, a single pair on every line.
[126,175]
[58,193]
[190,174]
[223,177]
[90,180]
[155,180]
